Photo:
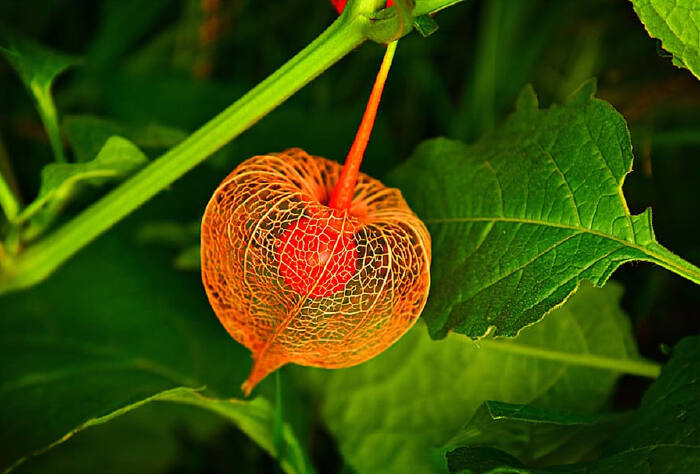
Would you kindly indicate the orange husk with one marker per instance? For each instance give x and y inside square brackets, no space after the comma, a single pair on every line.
[242,231]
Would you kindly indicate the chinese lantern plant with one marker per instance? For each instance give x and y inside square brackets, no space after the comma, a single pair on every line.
[309,262]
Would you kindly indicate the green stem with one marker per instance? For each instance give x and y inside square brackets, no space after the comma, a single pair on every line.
[672,262]
[277,429]
[345,34]
[8,200]
[9,197]
[38,261]
[653,251]
[3,255]
[641,367]
[49,116]
[40,202]
[433,6]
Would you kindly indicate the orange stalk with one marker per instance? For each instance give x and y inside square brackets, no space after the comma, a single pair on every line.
[344,189]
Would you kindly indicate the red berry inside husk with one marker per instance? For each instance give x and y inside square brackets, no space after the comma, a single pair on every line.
[315,258]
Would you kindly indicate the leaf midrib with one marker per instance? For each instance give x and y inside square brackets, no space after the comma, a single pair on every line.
[690,272]
[586,359]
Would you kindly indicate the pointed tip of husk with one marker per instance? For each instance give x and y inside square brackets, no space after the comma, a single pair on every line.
[262,367]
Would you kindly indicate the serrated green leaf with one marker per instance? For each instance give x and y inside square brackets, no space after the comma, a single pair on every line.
[60,181]
[390,414]
[38,67]
[677,24]
[87,134]
[136,332]
[521,217]
[663,436]
[535,435]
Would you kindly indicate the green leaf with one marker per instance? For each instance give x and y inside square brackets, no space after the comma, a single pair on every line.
[149,440]
[424,7]
[117,158]
[425,25]
[389,414]
[256,418]
[135,332]
[38,67]
[677,24]
[521,217]
[60,181]
[663,436]
[536,435]
[87,134]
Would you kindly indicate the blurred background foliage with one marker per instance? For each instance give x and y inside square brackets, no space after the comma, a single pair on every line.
[154,71]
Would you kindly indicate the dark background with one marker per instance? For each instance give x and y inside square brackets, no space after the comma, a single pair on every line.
[178,63]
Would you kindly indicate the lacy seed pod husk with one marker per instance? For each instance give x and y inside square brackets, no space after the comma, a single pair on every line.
[296,281]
